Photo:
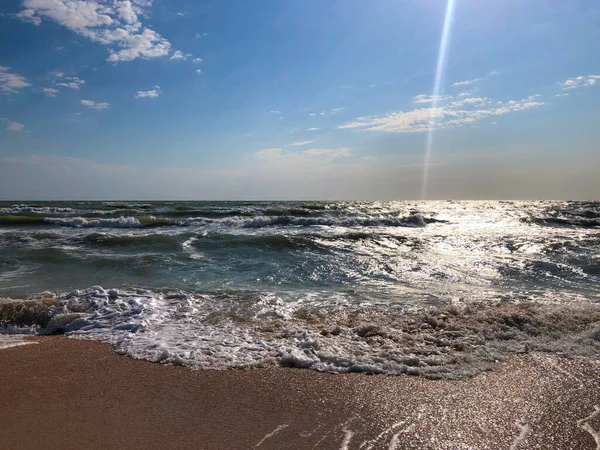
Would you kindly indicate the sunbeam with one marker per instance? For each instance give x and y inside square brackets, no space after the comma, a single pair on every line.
[437,88]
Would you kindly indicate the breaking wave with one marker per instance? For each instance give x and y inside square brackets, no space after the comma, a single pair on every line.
[222,330]
[415,220]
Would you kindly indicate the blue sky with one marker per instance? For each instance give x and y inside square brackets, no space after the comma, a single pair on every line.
[289,99]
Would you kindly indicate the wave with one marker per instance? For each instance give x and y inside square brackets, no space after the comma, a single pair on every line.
[230,240]
[82,222]
[561,221]
[260,222]
[134,240]
[29,209]
[12,220]
[121,205]
[415,220]
[262,329]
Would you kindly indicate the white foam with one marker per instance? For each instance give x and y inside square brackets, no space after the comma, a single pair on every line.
[271,434]
[525,429]
[188,247]
[584,424]
[347,438]
[221,331]
[82,222]
[415,220]
[13,340]
[20,209]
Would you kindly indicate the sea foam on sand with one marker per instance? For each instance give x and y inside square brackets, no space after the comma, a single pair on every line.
[227,330]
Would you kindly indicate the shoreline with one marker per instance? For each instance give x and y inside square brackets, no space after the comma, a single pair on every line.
[66,393]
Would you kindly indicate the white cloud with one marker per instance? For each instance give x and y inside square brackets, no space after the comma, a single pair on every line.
[94,105]
[310,156]
[10,82]
[467,82]
[197,60]
[113,22]
[299,144]
[580,82]
[475,80]
[71,82]
[564,94]
[50,92]
[199,35]
[479,101]
[274,111]
[313,129]
[28,15]
[149,94]
[12,126]
[198,71]
[424,98]
[312,114]
[178,54]
[452,115]
[336,110]
[127,11]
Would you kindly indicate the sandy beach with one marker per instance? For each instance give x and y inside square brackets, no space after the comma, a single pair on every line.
[69,394]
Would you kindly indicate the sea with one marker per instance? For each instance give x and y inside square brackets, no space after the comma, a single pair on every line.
[441,289]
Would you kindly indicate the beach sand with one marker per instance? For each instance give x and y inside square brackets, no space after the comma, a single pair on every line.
[68,394]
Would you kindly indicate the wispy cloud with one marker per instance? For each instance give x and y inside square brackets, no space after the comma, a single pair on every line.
[28,15]
[70,82]
[149,94]
[327,113]
[299,144]
[116,24]
[12,126]
[178,54]
[313,129]
[473,81]
[451,115]
[11,82]
[95,105]
[310,156]
[199,72]
[50,92]
[467,82]
[197,60]
[199,35]
[581,81]
[424,98]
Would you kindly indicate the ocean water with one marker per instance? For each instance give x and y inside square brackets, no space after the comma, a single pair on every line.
[439,289]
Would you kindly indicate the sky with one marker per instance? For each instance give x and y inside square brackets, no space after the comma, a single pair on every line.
[290,99]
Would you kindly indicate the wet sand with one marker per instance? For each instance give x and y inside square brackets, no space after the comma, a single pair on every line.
[68,394]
